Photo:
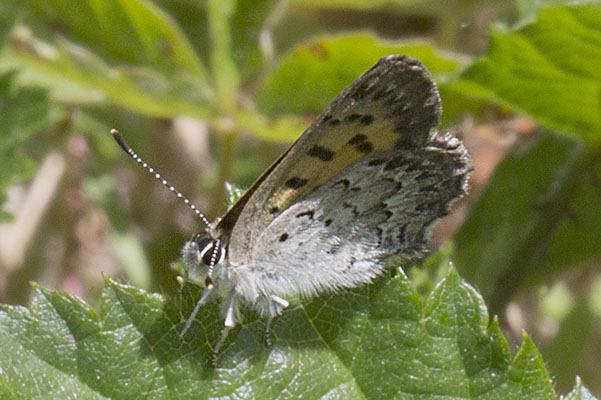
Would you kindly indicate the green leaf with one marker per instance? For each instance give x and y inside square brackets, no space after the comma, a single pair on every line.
[8,14]
[74,75]
[223,67]
[374,342]
[521,216]
[308,78]
[22,111]
[569,345]
[137,32]
[529,370]
[246,24]
[549,69]
[576,236]
[130,53]
[530,8]
[39,346]
[580,392]
[282,128]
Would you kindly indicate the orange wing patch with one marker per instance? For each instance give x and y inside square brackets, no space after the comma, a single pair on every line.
[340,145]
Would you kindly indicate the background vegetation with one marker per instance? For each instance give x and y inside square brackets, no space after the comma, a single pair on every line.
[212,91]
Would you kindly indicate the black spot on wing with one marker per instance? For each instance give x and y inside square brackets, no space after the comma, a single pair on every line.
[352,117]
[328,222]
[274,210]
[295,182]
[363,119]
[344,182]
[367,86]
[384,93]
[395,163]
[366,120]
[379,234]
[334,249]
[437,158]
[433,188]
[402,128]
[333,122]
[375,162]
[405,142]
[361,144]
[425,175]
[283,237]
[360,138]
[415,166]
[435,207]
[402,235]
[321,153]
[365,147]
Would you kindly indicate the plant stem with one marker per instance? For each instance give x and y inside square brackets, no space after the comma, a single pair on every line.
[227,134]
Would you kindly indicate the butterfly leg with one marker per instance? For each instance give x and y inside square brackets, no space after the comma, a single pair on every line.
[230,322]
[280,305]
[199,304]
[268,332]
[218,345]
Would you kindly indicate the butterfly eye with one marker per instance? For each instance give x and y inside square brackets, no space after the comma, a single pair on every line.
[206,248]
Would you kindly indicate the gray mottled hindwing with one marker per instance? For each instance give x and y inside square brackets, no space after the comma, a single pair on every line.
[392,110]
[339,235]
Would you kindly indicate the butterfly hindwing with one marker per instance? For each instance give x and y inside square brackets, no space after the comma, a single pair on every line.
[340,234]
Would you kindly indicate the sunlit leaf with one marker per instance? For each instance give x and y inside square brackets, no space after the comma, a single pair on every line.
[549,69]
[346,345]
[580,392]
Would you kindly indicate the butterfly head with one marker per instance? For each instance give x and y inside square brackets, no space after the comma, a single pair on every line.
[200,255]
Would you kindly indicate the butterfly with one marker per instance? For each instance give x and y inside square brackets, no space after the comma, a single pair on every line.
[360,187]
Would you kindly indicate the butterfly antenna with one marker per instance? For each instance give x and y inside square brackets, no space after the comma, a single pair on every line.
[126,147]
[216,253]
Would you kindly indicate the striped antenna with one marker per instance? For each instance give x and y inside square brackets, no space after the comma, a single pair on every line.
[123,144]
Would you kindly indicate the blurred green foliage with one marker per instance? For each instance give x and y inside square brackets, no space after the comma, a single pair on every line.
[230,81]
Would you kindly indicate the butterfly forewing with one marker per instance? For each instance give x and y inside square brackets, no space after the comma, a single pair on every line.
[394,106]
